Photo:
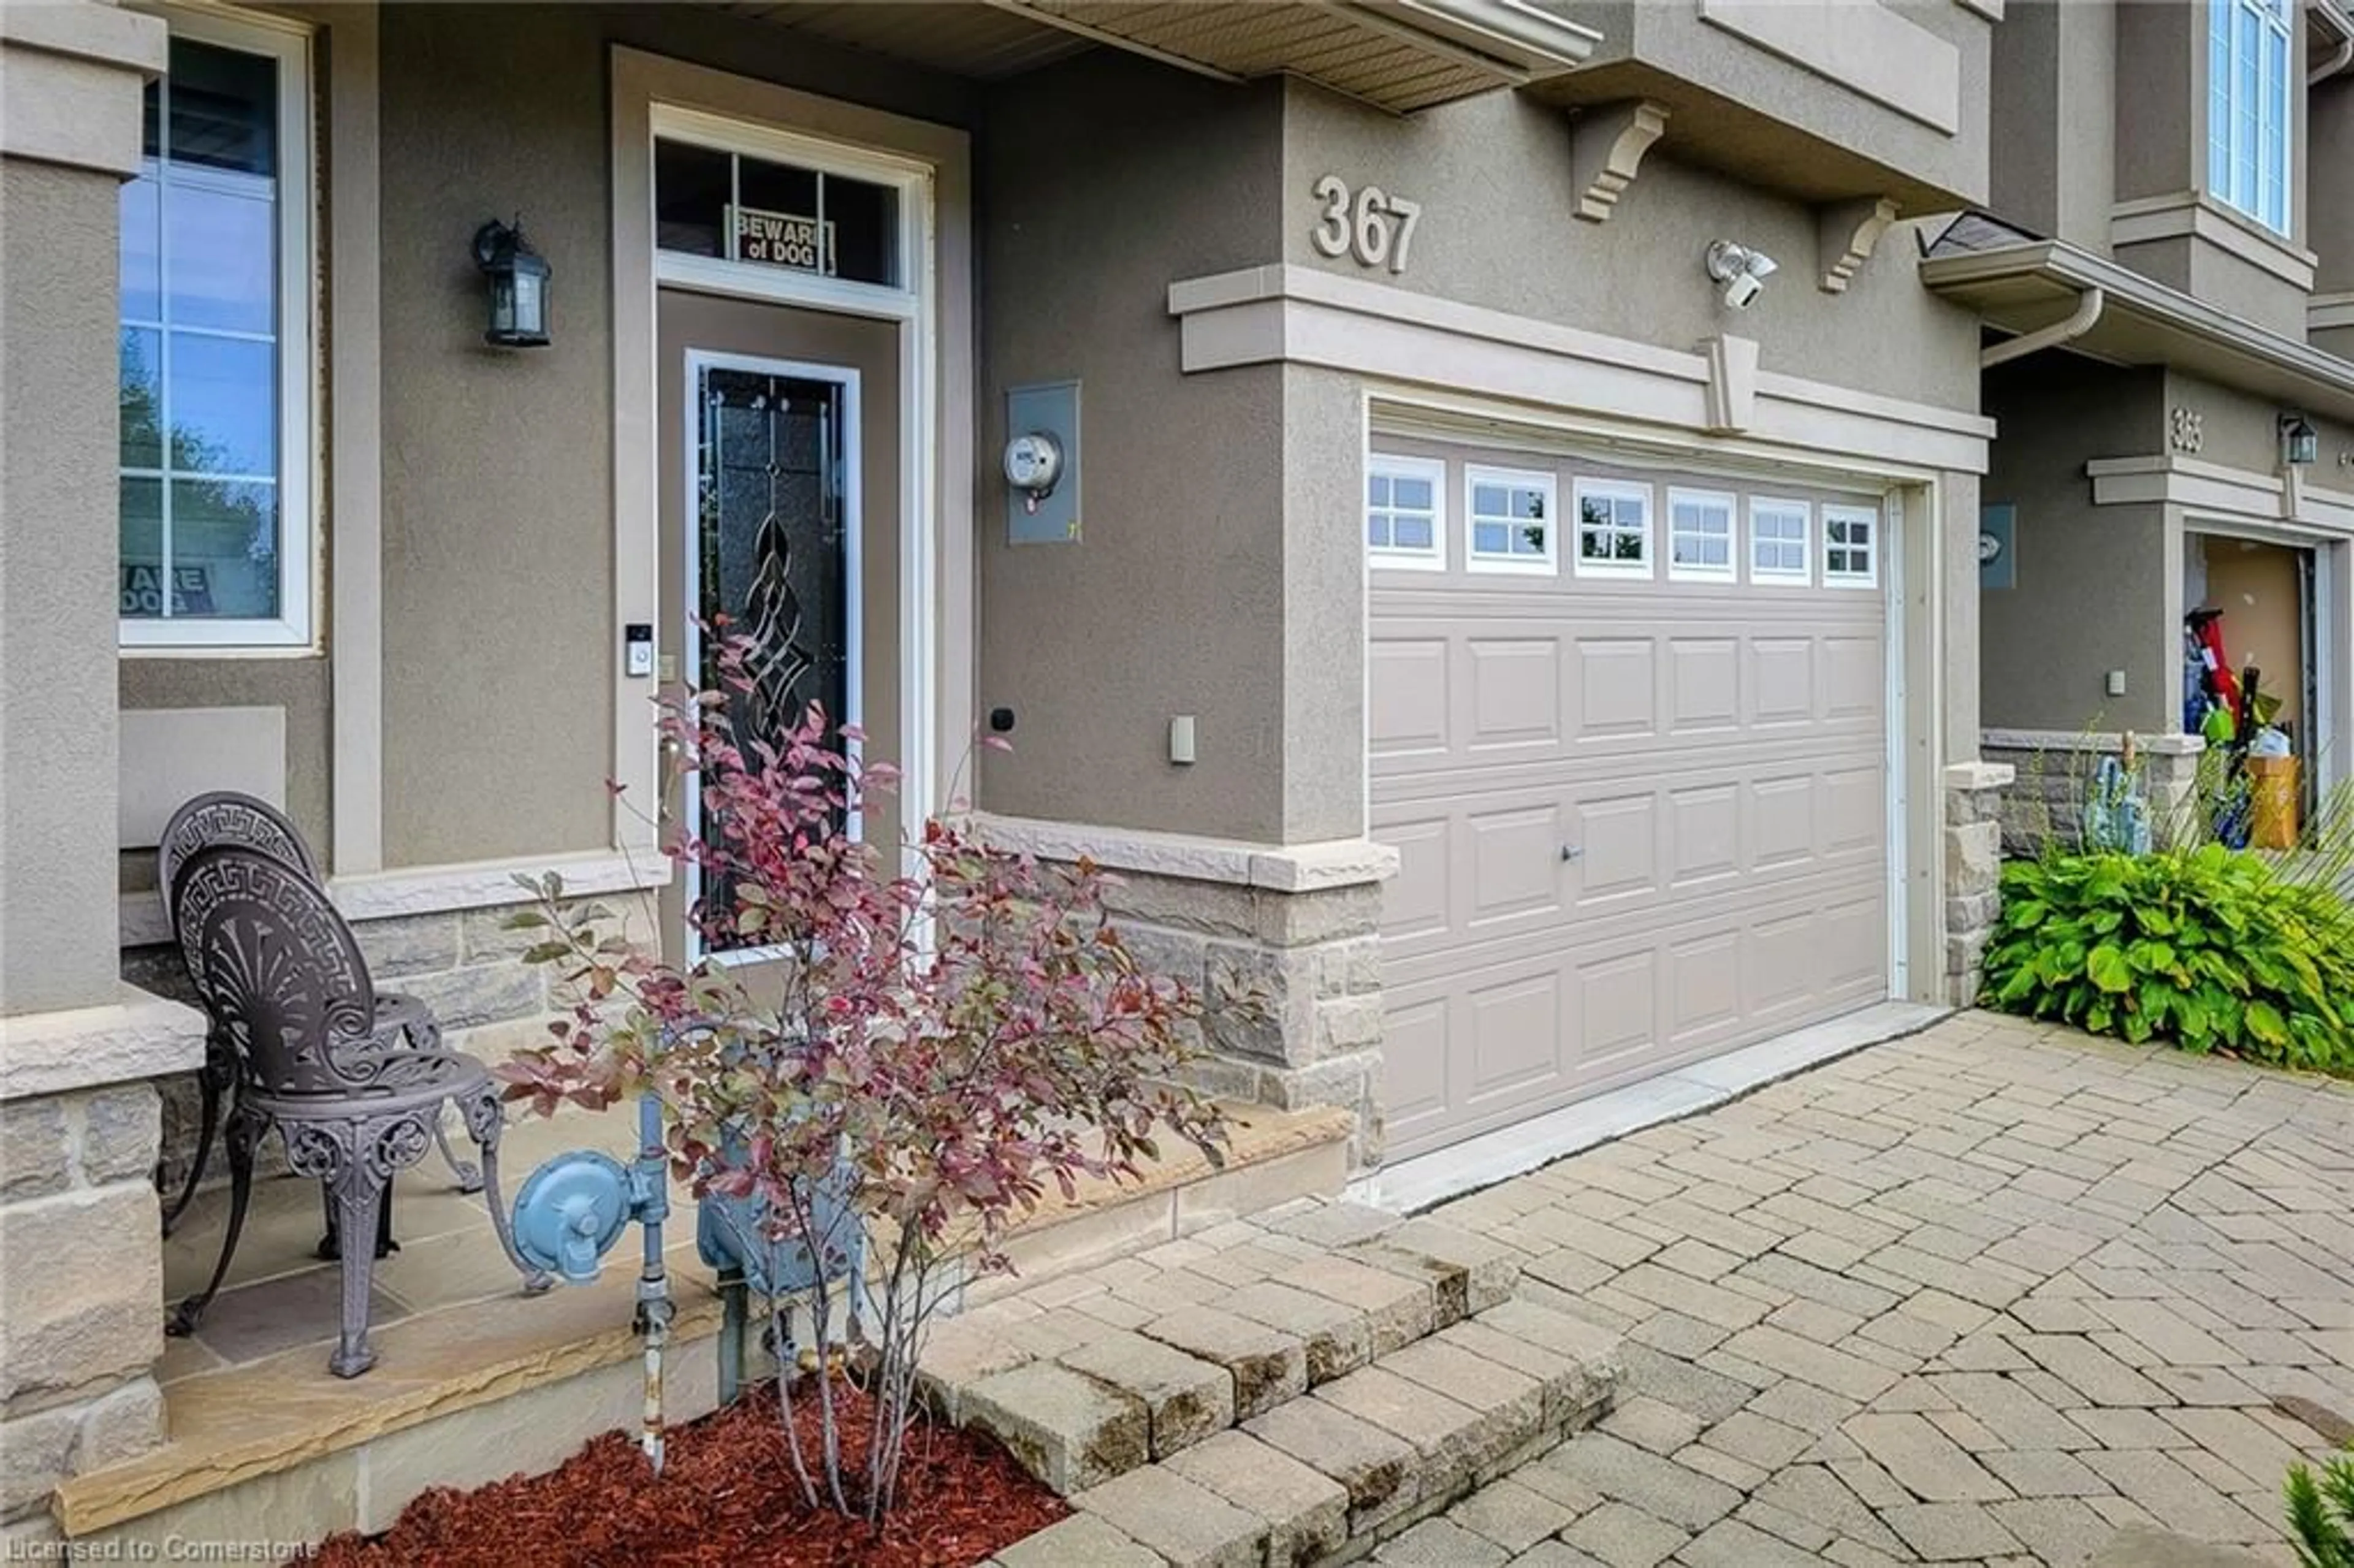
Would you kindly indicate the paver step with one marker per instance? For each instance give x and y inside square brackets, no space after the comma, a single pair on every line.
[1092,1374]
[1327,1477]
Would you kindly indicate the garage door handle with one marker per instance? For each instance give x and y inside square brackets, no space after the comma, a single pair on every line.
[1570,852]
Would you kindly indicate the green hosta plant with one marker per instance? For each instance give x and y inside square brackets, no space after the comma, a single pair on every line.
[2208,948]
[2321,1514]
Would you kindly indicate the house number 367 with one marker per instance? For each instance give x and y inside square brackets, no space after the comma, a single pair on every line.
[1368,224]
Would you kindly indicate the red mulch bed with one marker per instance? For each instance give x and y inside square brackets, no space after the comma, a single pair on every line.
[726,1495]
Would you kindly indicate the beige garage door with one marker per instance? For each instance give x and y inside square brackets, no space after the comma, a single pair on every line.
[1627,734]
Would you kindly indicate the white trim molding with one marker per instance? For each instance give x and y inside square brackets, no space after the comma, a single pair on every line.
[2206,488]
[137,1035]
[439,889]
[2325,313]
[934,310]
[1283,313]
[1281,868]
[2089,740]
[293,340]
[59,107]
[2191,214]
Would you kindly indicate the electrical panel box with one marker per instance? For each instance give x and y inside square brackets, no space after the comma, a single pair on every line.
[1050,409]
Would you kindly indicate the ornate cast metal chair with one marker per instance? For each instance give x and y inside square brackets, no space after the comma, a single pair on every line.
[226,817]
[285,986]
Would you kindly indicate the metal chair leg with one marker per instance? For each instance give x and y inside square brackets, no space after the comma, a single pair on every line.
[214,1083]
[424,1033]
[245,1132]
[469,1174]
[359,1189]
[331,1244]
[485,1121]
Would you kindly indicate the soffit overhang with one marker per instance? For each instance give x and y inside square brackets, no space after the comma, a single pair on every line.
[2020,288]
[1398,55]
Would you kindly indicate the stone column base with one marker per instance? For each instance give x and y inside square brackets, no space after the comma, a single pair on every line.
[1282,943]
[2055,772]
[82,1252]
[1973,841]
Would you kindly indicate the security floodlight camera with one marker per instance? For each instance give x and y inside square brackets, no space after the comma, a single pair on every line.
[1741,271]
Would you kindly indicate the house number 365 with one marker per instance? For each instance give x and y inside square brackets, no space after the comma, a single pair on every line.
[1368,224]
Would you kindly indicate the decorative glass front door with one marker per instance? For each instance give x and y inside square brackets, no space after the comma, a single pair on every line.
[775,558]
[772,532]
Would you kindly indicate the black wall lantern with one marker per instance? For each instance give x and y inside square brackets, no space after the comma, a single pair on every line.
[518,285]
[2300,442]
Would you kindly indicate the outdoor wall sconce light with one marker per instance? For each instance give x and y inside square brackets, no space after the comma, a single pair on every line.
[2300,442]
[518,278]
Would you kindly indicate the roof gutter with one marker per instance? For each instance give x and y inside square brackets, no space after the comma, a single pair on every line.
[2089,307]
[2344,26]
[1513,35]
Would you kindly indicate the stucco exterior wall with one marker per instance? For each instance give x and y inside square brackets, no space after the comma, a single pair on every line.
[2329,147]
[2161,150]
[2161,53]
[1324,604]
[1498,228]
[496,467]
[2091,581]
[1856,68]
[300,686]
[57,549]
[1174,600]
[2241,431]
[2055,98]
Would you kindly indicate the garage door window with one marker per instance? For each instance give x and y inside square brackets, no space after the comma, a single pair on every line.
[1511,520]
[1614,529]
[1700,535]
[1778,549]
[1403,525]
[1851,546]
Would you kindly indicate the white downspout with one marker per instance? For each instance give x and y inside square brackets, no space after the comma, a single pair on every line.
[2089,305]
[2334,64]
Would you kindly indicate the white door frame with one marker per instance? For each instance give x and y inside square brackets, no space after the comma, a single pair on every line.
[929,167]
[690,582]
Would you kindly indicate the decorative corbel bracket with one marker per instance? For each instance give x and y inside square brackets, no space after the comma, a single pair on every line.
[1732,383]
[1606,149]
[1845,235]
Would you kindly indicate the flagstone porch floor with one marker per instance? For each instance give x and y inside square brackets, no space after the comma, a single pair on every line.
[263,1441]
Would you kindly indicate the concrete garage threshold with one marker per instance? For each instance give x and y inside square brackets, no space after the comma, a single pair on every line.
[1415,1185]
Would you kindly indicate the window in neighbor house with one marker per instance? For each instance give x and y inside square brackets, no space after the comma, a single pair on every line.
[216,357]
[1404,524]
[1851,546]
[1700,535]
[733,206]
[1614,529]
[1777,541]
[2250,107]
[1511,512]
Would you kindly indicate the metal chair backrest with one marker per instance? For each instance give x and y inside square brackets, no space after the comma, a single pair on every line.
[226,817]
[278,970]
